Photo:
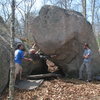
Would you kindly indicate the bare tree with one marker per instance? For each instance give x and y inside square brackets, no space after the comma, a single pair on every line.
[25,12]
[93,11]
[23,8]
[97,15]
[62,3]
[84,8]
[12,66]
[44,2]
[65,3]
[4,9]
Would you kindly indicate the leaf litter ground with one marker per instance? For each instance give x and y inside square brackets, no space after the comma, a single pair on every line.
[60,89]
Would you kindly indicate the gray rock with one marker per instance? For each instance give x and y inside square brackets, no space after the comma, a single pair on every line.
[4,55]
[63,32]
[34,67]
[4,65]
[28,67]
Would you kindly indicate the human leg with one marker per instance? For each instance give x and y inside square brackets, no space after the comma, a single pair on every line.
[18,70]
[88,70]
[81,71]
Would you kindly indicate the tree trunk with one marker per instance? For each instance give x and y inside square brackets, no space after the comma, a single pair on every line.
[84,7]
[12,67]
[93,11]
[65,4]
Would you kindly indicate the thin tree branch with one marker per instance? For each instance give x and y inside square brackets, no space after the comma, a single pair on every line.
[4,40]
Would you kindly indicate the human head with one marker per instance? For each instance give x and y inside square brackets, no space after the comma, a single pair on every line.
[20,46]
[86,45]
[32,51]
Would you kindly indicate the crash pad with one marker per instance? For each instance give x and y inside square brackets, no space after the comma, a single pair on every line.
[28,84]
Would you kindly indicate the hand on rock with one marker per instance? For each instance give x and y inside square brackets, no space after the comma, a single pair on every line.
[30,59]
[53,56]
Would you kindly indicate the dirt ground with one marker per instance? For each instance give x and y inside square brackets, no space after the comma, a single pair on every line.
[60,89]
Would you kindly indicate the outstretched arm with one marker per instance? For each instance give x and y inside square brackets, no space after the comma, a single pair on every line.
[27,59]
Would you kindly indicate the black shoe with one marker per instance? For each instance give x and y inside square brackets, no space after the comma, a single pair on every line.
[88,80]
[80,79]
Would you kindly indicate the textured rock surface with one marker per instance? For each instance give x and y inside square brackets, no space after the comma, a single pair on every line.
[4,56]
[28,67]
[63,32]
[35,67]
[4,66]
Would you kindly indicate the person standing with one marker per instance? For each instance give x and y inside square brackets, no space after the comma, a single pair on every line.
[86,63]
[18,56]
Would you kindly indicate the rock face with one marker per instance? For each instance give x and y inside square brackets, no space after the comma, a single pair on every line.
[63,32]
[28,67]
[4,65]
[35,67]
[4,56]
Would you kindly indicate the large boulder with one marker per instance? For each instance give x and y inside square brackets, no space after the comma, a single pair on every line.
[4,65]
[4,55]
[34,67]
[63,32]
